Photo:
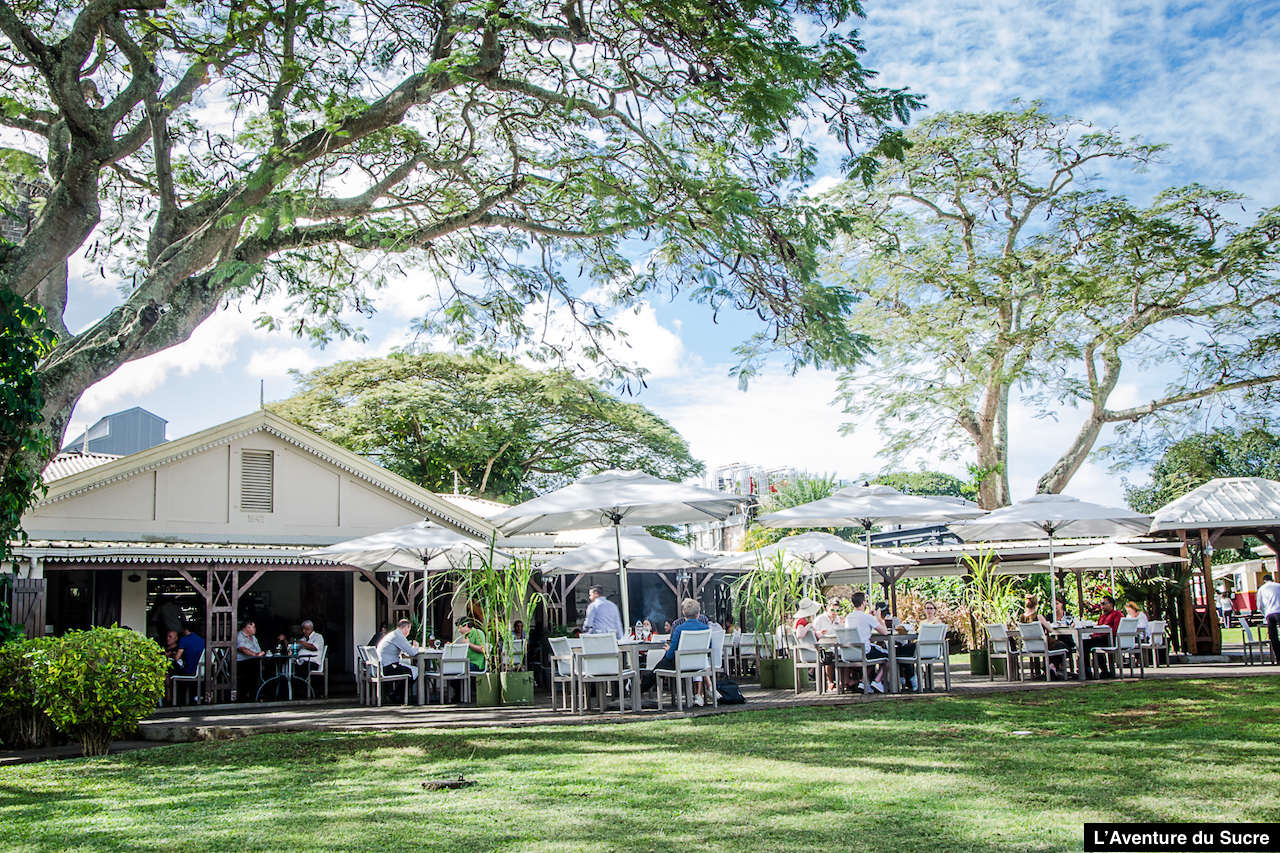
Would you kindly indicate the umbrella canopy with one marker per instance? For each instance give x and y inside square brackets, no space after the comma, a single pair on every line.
[412,547]
[1043,516]
[823,552]
[611,498]
[865,506]
[640,552]
[1112,554]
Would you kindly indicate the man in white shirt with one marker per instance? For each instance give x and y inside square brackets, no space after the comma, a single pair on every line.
[310,650]
[1269,604]
[602,615]
[868,626]
[826,622]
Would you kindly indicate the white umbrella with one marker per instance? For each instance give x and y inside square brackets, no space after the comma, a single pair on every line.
[609,499]
[1112,554]
[865,506]
[640,551]
[412,547]
[1052,515]
[826,555]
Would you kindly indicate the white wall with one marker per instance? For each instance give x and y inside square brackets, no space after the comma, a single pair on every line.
[133,601]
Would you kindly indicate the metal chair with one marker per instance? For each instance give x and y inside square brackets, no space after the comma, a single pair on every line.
[562,674]
[375,678]
[806,656]
[851,652]
[1251,642]
[454,666]
[600,663]
[1124,645]
[1156,642]
[322,668]
[194,679]
[931,649]
[1001,645]
[692,659]
[1036,645]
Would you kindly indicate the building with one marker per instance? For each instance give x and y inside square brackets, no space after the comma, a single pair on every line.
[120,434]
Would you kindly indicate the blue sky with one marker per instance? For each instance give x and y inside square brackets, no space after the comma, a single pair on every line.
[1198,76]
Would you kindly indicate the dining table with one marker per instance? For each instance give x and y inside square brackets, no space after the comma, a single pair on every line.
[421,660]
[1080,630]
[629,650]
[285,673]
[830,642]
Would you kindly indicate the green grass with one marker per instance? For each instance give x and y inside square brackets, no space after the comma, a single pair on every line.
[942,774]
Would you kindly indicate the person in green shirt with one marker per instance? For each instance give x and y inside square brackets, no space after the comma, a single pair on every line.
[476,643]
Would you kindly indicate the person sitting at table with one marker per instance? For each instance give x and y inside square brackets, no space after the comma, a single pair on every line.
[310,650]
[1062,617]
[826,622]
[869,626]
[648,628]
[192,646]
[804,626]
[1032,614]
[890,623]
[393,644]
[931,614]
[1132,611]
[691,610]
[477,642]
[1111,618]
[378,635]
[173,651]
[602,615]
[248,661]
[517,630]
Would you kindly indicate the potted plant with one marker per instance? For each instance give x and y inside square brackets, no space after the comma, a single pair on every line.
[768,593]
[990,597]
[502,594]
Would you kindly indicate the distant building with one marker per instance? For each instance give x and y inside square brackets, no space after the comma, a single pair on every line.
[121,434]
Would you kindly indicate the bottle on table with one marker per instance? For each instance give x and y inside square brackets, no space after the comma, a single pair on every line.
[635,635]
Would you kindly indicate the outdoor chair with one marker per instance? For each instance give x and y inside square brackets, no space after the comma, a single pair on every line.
[1252,642]
[321,670]
[1155,642]
[806,656]
[1001,645]
[454,666]
[517,653]
[744,653]
[600,663]
[1036,645]
[851,652]
[562,674]
[931,650]
[376,678]
[692,659]
[194,680]
[1124,645]
[718,638]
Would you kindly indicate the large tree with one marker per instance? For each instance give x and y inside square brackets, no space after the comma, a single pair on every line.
[483,424]
[993,264]
[1195,460]
[312,150]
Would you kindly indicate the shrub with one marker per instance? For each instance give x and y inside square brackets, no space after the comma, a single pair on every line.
[23,725]
[95,685]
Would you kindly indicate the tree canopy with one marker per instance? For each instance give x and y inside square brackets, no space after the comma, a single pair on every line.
[301,154]
[1197,459]
[992,264]
[503,430]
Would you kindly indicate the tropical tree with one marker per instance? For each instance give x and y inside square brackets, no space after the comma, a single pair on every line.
[926,483]
[483,424]
[1197,459]
[299,155]
[802,489]
[992,264]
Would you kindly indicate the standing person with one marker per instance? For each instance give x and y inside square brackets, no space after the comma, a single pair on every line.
[1269,604]
[248,661]
[1225,609]
[602,616]
[310,650]
[868,626]
[393,644]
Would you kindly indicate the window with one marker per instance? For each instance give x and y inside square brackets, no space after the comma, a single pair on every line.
[256,480]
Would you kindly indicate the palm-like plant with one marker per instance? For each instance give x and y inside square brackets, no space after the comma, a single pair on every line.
[769,591]
[503,594]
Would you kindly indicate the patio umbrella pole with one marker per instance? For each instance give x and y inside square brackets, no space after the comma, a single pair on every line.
[866,526]
[622,578]
[1053,578]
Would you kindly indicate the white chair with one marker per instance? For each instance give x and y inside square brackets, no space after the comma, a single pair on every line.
[1036,645]
[600,663]
[362,673]
[931,649]
[851,652]
[194,680]
[805,656]
[376,678]
[1252,642]
[322,668]
[717,648]
[744,652]
[562,674]
[517,653]
[1124,645]
[1001,645]
[692,659]
[1156,642]
[454,666]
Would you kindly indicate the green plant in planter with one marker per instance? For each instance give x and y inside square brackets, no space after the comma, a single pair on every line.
[769,592]
[504,594]
[95,685]
[991,597]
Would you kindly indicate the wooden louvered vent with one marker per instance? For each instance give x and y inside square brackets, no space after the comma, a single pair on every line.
[256,480]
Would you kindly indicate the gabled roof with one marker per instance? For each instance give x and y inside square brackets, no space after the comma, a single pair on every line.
[433,507]
[1227,502]
[65,464]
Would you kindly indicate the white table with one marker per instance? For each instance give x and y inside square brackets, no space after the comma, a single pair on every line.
[420,660]
[830,642]
[1080,632]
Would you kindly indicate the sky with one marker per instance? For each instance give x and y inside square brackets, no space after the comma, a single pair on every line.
[1197,76]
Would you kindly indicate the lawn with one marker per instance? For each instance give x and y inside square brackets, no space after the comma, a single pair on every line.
[943,774]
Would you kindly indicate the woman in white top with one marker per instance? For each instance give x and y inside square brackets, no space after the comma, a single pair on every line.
[1131,610]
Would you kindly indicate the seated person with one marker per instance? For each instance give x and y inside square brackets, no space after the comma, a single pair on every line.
[1062,617]
[378,635]
[517,630]
[906,671]
[931,614]
[690,609]
[310,650]
[248,661]
[393,644]
[869,626]
[1111,618]
[1032,614]
[1132,611]
[192,646]
[173,651]
[477,642]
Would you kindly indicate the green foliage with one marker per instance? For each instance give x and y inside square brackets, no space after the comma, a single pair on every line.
[801,490]
[95,685]
[990,596]
[769,593]
[504,430]
[24,342]
[504,594]
[992,263]
[1197,459]
[23,725]
[926,483]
